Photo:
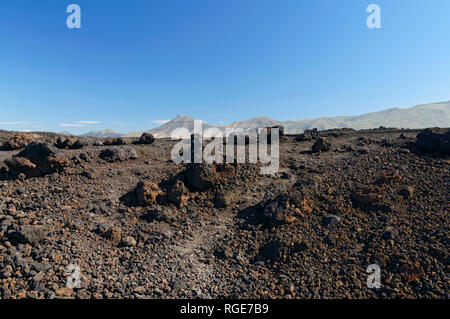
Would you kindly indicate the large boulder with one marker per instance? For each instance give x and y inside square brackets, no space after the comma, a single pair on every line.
[114,141]
[70,142]
[21,165]
[38,159]
[146,138]
[201,177]
[147,193]
[119,154]
[19,140]
[144,194]
[321,145]
[434,140]
[308,135]
[29,234]
[279,210]
[178,194]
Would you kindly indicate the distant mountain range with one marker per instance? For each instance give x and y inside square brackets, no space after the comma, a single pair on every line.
[103,133]
[421,116]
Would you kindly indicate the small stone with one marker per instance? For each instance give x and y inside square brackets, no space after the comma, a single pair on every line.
[90,173]
[140,290]
[224,200]
[300,246]
[165,214]
[114,234]
[285,175]
[389,234]
[406,191]
[64,292]
[128,241]
[271,251]
[330,220]
[223,252]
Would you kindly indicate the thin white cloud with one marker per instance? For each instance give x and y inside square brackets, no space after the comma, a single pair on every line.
[17,123]
[72,125]
[79,124]
[160,121]
[88,122]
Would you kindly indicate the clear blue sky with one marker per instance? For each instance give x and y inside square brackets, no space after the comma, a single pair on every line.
[140,61]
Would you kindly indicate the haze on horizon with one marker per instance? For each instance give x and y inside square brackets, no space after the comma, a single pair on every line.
[133,66]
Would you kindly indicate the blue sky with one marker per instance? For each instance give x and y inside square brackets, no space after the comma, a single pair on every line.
[134,63]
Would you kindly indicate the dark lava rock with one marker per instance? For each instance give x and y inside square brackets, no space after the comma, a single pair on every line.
[114,234]
[146,138]
[144,194]
[279,210]
[389,234]
[321,145]
[308,135]
[21,165]
[114,141]
[69,142]
[434,140]
[178,194]
[117,154]
[275,250]
[38,159]
[271,251]
[285,175]
[31,234]
[39,153]
[300,247]
[161,214]
[147,193]
[202,176]
[406,192]
[20,140]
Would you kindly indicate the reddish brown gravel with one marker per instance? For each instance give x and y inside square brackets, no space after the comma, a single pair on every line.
[310,231]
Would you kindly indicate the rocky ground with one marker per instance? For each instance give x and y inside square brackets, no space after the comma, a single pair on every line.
[140,226]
